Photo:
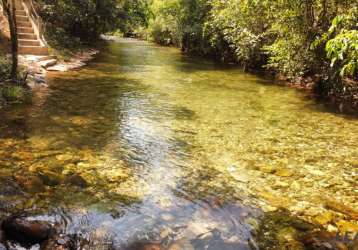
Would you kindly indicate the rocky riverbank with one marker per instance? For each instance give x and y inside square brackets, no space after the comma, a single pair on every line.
[38,66]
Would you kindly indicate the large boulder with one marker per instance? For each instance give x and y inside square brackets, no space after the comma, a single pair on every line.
[31,184]
[76,180]
[25,230]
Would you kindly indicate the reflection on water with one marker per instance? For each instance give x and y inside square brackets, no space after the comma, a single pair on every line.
[149,149]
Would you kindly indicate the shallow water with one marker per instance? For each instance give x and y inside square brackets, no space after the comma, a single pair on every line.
[148,146]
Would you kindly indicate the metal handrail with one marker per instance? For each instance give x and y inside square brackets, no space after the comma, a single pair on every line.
[35,17]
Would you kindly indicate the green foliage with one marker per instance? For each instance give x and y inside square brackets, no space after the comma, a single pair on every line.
[160,32]
[12,93]
[238,29]
[133,16]
[166,25]
[288,56]
[293,38]
[290,27]
[5,68]
[342,48]
[180,23]
[73,22]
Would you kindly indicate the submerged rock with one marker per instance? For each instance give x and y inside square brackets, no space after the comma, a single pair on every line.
[30,184]
[341,208]
[50,178]
[76,180]
[58,242]
[25,230]
[347,227]
[167,217]
[284,172]
[66,158]
[324,218]
[180,245]
[145,246]
[268,169]
[9,187]
[323,240]
[288,237]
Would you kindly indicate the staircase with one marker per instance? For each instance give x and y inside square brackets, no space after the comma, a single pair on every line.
[28,33]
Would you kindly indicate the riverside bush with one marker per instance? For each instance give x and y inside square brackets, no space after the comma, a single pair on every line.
[70,23]
[12,93]
[5,69]
[313,39]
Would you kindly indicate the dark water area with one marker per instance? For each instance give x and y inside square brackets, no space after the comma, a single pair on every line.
[147,148]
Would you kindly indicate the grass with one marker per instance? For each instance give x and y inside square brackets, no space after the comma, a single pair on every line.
[9,93]
[12,93]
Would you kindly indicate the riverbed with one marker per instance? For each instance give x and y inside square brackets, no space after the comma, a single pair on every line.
[149,147]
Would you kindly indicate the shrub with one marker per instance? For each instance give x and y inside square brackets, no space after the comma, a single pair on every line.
[342,48]
[5,69]
[70,23]
[159,32]
[12,93]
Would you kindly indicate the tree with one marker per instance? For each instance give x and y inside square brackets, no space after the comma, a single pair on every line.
[342,48]
[10,12]
[72,23]
[133,15]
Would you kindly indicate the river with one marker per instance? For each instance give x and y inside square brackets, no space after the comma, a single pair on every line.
[147,148]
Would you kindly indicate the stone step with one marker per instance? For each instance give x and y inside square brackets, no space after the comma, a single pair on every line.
[48,63]
[22,24]
[21,12]
[46,58]
[29,43]
[19,7]
[33,50]
[20,18]
[25,30]
[24,42]
[27,36]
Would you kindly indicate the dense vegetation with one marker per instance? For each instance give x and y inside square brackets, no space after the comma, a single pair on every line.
[73,23]
[133,17]
[4,68]
[4,62]
[298,39]
[301,40]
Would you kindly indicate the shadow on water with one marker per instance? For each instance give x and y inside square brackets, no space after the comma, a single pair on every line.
[187,64]
[148,149]
[64,112]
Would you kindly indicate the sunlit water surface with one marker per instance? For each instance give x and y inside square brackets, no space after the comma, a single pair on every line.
[148,146]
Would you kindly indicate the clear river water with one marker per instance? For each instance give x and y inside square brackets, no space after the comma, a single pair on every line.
[147,148]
